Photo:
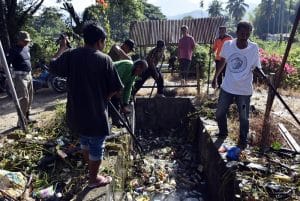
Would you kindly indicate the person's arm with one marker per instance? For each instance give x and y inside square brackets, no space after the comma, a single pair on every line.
[122,55]
[194,44]
[113,80]
[127,91]
[60,62]
[222,63]
[214,46]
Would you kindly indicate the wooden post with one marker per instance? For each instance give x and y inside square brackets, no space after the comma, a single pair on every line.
[198,78]
[266,124]
[209,67]
[278,76]
[12,88]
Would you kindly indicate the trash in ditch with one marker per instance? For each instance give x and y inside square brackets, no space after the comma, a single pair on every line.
[170,164]
[258,167]
[277,191]
[44,193]
[12,184]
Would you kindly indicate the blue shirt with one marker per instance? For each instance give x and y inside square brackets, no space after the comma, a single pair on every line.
[19,57]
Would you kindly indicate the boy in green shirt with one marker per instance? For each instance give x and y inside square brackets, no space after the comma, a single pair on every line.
[128,71]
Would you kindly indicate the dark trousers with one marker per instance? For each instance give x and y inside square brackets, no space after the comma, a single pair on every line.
[243,104]
[185,65]
[150,72]
[222,74]
[116,101]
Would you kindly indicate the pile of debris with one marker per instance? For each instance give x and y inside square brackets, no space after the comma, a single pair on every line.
[274,174]
[170,170]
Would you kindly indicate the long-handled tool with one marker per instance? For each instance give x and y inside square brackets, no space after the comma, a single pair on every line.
[277,94]
[140,148]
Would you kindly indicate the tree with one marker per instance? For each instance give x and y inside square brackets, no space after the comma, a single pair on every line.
[13,16]
[45,30]
[237,9]
[278,14]
[152,12]
[215,9]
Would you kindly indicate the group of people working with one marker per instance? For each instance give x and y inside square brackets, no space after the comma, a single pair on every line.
[94,78]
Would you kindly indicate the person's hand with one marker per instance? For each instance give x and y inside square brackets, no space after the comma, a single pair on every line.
[63,43]
[214,83]
[125,109]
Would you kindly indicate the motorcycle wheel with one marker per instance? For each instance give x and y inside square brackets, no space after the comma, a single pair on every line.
[58,84]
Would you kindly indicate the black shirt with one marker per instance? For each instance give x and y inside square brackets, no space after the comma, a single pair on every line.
[91,77]
[19,57]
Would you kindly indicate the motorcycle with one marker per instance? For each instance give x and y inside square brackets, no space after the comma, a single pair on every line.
[45,79]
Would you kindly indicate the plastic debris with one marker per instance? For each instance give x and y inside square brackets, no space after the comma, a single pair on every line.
[12,184]
[233,153]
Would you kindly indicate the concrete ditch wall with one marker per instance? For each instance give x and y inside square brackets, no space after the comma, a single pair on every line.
[168,113]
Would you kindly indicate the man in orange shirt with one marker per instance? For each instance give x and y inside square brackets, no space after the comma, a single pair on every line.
[218,44]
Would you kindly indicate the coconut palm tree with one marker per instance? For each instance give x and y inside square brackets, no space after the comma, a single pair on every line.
[215,8]
[237,9]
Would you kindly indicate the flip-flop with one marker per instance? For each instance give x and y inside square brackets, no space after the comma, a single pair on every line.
[103,182]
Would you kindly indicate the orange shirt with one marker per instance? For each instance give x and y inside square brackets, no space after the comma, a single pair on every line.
[218,44]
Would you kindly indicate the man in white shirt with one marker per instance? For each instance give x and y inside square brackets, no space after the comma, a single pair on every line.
[241,56]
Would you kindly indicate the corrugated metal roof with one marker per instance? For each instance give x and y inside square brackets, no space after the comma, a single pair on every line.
[146,33]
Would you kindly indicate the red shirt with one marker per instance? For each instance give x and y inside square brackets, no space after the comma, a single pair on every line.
[186,47]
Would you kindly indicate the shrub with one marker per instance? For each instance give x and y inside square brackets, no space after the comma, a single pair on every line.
[271,64]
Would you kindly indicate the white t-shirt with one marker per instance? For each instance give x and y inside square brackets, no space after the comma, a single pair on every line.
[240,64]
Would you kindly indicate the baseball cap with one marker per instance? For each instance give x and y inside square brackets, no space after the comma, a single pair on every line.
[23,35]
[130,44]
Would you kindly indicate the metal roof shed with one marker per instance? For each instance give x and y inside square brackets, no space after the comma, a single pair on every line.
[146,33]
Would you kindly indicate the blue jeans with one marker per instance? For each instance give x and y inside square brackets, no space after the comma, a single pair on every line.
[94,145]
[243,104]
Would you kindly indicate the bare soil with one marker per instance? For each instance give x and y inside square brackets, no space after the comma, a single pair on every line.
[43,105]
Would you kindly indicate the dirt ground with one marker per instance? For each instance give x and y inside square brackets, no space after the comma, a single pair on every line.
[44,102]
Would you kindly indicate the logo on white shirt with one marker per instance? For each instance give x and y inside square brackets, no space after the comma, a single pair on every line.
[237,63]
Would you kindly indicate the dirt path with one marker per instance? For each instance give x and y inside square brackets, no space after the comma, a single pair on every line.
[44,102]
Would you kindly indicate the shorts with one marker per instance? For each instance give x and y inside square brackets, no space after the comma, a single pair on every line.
[94,145]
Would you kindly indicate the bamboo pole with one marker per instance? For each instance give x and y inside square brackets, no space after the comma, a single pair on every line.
[12,89]
[278,79]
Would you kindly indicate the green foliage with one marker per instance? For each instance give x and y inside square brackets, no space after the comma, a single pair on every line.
[274,16]
[271,58]
[44,30]
[237,9]
[152,12]
[200,56]
[215,8]
[121,14]
[276,145]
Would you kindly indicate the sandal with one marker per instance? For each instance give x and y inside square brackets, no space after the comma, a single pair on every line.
[102,181]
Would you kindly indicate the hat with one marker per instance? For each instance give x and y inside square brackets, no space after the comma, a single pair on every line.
[24,35]
[160,44]
[130,44]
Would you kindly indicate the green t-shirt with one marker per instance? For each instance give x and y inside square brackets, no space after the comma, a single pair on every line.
[124,69]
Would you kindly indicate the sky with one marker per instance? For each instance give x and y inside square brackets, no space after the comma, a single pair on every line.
[168,7]
[175,7]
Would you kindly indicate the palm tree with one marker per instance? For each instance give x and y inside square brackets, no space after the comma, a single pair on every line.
[215,8]
[237,9]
